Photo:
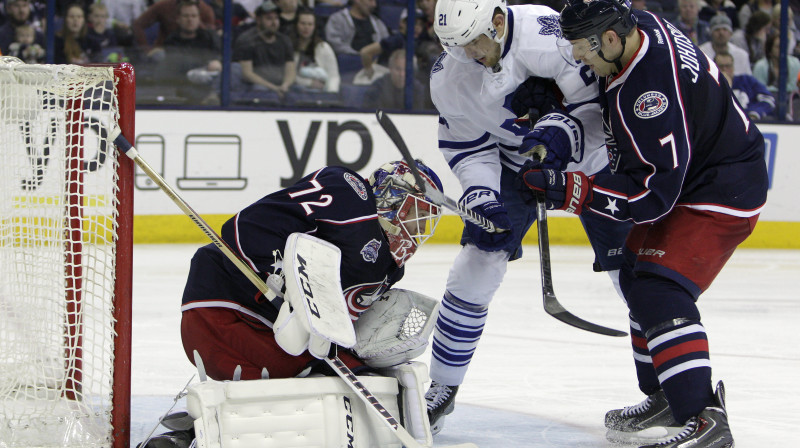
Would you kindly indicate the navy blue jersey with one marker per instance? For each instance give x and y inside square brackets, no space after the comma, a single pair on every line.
[333,204]
[678,134]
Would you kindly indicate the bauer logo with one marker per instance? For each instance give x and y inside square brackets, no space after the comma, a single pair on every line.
[650,104]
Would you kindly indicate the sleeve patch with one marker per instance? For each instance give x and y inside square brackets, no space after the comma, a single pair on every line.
[650,105]
[357,185]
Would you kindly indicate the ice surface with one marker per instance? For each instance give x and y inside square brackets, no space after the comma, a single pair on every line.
[534,381]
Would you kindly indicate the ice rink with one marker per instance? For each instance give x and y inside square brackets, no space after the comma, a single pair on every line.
[534,381]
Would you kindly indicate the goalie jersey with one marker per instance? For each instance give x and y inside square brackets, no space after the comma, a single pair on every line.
[477,128]
[333,204]
[678,133]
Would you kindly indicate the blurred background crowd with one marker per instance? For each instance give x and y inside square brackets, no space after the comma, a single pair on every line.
[360,54]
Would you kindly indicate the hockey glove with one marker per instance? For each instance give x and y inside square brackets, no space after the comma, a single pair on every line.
[537,94]
[553,140]
[485,202]
[568,191]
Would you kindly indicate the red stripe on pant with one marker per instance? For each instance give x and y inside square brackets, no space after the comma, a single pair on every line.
[226,338]
[697,345]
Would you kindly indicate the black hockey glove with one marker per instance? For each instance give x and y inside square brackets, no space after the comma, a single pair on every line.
[535,93]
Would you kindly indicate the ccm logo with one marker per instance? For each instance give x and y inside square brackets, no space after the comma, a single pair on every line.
[577,188]
[302,270]
[348,409]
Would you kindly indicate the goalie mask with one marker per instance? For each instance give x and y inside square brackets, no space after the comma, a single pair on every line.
[408,218]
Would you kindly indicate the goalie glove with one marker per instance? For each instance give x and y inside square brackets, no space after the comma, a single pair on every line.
[314,314]
[395,328]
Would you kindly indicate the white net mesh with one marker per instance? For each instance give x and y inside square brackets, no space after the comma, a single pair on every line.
[58,210]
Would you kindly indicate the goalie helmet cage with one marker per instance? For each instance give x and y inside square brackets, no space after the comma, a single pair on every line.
[66,227]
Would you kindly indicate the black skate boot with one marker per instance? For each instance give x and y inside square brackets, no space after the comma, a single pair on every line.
[707,430]
[441,401]
[171,439]
[647,422]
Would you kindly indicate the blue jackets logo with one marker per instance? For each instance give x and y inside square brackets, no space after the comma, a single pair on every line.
[650,104]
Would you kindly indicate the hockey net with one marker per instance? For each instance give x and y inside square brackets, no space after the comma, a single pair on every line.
[65,255]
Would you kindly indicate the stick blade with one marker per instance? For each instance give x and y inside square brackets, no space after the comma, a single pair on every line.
[555,309]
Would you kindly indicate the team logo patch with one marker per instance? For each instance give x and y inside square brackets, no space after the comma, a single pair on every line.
[357,185]
[370,251]
[650,104]
[549,25]
[438,66]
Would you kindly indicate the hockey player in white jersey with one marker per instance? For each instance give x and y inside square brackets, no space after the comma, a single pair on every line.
[490,50]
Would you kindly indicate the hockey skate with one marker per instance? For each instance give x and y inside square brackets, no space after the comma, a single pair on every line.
[171,439]
[707,430]
[441,401]
[650,421]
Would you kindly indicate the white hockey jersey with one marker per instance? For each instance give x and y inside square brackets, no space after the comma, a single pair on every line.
[477,129]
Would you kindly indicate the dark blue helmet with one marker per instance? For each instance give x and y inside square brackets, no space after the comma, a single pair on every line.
[582,19]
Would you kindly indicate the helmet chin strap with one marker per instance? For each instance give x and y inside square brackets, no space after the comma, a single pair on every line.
[616,61]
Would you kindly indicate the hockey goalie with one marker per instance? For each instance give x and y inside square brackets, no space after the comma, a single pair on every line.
[329,247]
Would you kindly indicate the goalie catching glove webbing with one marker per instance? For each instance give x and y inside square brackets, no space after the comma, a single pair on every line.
[395,328]
[314,314]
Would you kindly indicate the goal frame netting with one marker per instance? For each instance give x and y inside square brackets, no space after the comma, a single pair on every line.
[28,92]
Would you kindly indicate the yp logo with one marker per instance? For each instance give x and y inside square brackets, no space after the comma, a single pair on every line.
[770,147]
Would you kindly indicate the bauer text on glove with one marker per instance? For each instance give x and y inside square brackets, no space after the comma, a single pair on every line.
[556,139]
[569,191]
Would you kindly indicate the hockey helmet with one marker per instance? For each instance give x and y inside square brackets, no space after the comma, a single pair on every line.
[589,19]
[459,22]
[408,218]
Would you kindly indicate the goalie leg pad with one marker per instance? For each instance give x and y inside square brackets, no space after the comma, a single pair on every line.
[412,377]
[292,412]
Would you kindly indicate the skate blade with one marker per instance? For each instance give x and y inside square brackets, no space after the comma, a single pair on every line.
[656,434]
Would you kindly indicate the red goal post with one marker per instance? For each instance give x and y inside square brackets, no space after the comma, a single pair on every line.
[66,242]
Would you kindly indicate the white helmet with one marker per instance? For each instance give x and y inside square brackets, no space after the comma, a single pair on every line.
[459,22]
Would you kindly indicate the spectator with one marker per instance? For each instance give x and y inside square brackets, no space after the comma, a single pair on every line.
[165,14]
[711,8]
[746,11]
[754,36]
[317,68]
[266,56]
[388,92]
[353,28]
[239,14]
[381,50]
[25,46]
[766,69]
[753,95]
[690,23]
[287,16]
[99,30]
[792,28]
[18,12]
[122,13]
[72,45]
[192,48]
[721,32]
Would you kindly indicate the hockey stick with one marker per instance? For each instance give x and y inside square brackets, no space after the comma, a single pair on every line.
[551,304]
[336,364]
[435,195]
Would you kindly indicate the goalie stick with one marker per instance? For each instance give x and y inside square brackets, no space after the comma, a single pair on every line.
[334,362]
[435,195]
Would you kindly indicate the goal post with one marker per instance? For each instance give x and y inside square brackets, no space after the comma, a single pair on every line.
[66,241]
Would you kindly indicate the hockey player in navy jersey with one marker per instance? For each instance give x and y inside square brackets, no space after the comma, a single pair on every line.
[689,172]
[378,224]
[490,51]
